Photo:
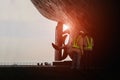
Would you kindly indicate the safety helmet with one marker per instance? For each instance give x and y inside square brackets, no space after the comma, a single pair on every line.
[81,32]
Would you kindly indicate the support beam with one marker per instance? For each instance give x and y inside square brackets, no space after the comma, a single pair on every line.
[58,40]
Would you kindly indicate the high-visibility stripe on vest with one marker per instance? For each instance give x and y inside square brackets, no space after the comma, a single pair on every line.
[89,44]
[75,42]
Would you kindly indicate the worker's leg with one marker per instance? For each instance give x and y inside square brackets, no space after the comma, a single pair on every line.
[88,59]
[74,60]
[78,61]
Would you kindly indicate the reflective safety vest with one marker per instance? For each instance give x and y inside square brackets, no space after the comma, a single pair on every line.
[75,42]
[89,43]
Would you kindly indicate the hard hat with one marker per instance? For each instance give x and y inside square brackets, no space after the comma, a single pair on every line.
[81,32]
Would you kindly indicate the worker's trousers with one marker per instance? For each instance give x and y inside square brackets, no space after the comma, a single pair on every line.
[76,60]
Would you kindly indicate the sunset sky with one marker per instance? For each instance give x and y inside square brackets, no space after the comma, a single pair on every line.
[25,35]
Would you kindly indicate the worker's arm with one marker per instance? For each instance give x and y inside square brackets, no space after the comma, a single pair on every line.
[82,51]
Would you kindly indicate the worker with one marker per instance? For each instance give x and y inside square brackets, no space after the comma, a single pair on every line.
[76,49]
[88,47]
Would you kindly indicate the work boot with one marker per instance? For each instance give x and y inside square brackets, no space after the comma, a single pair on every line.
[55,46]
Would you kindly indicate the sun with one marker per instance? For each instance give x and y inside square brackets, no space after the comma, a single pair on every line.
[65,27]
